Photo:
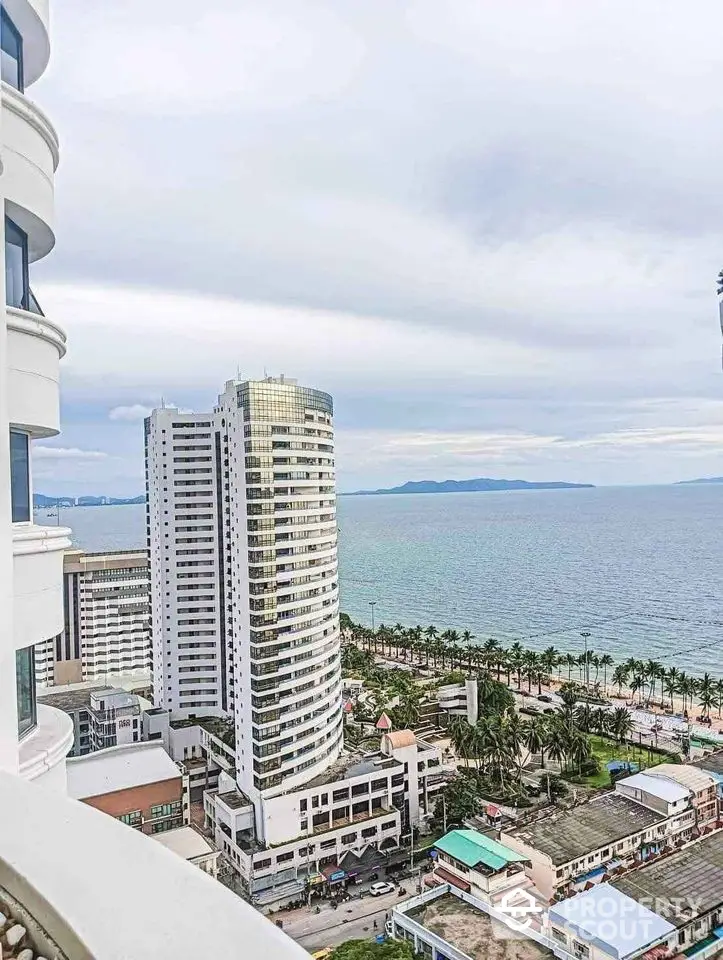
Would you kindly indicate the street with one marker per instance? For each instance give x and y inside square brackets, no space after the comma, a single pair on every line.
[352,920]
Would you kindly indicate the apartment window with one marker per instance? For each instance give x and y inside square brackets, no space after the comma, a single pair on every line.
[369,832]
[132,819]
[19,477]
[17,284]
[11,57]
[25,681]
[262,864]
[285,857]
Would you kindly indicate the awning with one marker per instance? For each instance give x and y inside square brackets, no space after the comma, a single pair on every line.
[446,877]
[371,859]
[333,873]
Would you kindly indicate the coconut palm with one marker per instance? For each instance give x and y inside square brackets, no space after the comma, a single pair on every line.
[719,696]
[620,677]
[620,724]
[606,661]
[535,737]
[706,693]
[467,640]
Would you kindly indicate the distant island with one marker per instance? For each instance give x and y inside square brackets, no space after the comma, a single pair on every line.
[480,484]
[681,483]
[41,501]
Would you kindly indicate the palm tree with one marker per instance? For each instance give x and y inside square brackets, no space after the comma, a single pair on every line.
[706,694]
[620,677]
[516,654]
[549,660]
[621,724]
[467,639]
[570,662]
[670,684]
[556,742]
[719,695]
[535,737]
[606,661]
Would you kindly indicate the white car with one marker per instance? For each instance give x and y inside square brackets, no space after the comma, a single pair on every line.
[377,889]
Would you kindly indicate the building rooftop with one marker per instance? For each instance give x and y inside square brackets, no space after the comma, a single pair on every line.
[71,700]
[474,932]
[684,774]
[169,908]
[713,763]
[119,768]
[606,915]
[348,766]
[692,876]
[661,787]
[234,799]
[473,848]
[592,825]
[187,842]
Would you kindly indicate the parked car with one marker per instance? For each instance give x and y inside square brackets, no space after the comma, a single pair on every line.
[544,697]
[377,889]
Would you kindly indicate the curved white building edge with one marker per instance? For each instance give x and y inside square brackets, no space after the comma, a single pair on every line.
[32,742]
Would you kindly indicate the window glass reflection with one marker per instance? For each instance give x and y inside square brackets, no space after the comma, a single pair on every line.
[11,52]
[25,680]
[20,477]
[16,266]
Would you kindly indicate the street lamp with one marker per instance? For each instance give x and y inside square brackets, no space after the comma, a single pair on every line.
[372,604]
[585,634]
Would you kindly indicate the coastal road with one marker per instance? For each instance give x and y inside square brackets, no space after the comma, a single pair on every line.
[329,928]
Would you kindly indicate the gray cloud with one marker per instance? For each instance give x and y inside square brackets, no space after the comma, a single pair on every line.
[486,217]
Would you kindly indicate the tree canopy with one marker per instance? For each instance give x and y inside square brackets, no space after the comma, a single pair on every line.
[366,950]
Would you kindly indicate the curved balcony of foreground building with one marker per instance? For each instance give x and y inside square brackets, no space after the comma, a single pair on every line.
[30,19]
[38,582]
[50,858]
[44,749]
[29,158]
[35,347]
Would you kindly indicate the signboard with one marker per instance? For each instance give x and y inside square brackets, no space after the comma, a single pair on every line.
[336,877]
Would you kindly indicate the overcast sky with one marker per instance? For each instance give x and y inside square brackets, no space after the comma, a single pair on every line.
[490,230]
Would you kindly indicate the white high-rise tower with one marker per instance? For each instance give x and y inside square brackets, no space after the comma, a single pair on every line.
[245,604]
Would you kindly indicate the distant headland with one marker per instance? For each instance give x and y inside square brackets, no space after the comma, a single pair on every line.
[682,483]
[478,485]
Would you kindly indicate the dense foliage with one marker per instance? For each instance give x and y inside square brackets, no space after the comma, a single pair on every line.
[366,950]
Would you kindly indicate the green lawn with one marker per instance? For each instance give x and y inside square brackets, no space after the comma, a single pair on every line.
[606,750]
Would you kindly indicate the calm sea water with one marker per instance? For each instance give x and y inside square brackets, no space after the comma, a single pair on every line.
[640,568]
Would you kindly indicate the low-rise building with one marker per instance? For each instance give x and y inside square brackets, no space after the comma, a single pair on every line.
[102,716]
[672,907]
[190,843]
[361,802]
[603,923]
[136,783]
[702,785]
[596,840]
[477,864]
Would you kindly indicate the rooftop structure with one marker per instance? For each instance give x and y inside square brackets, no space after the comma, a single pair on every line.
[447,926]
[187,842]
[474,849]
[662,787]
[119,768]
[692,877]
[608,918]
[711,763]
[685,774]
[605,820]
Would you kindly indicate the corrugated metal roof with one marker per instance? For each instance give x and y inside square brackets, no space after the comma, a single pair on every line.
[662,787]
[617,923]
[471,848]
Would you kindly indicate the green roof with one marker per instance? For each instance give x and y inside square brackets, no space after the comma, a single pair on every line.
[471,848]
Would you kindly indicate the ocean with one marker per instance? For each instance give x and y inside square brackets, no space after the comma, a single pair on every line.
[638,567]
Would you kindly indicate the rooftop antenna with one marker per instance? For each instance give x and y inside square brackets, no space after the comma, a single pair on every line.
[163,403]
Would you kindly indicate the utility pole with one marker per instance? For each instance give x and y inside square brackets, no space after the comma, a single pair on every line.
[372,604]
[585,634]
